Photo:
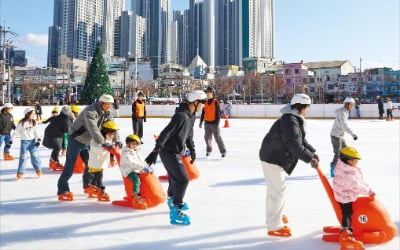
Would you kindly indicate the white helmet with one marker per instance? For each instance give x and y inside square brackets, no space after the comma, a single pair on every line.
[8,105]
[196,95]
[349,100]
[27,110]
[106,98]
[301,99]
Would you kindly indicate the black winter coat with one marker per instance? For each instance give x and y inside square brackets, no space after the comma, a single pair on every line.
[285,143]
[54,133]
[178,132]
[6,123]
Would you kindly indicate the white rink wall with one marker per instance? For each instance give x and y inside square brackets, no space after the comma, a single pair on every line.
[324,111]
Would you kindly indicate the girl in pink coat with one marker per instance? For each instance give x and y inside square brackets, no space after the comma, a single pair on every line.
[348,184]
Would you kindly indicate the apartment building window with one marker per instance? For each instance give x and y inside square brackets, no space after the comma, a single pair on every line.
[287,81]
[287,71]
[296,71]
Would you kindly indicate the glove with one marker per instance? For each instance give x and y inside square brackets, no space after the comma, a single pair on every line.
[107,145]
[144,120]
[371,195]
[200,125]
[314,162]
[8,145]
[355,137]
[37,143]
[118,144]
[193,155]
[152,157]
[316,157]
[147,170]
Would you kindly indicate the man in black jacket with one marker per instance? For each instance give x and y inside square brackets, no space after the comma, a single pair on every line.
[6,125]
[282,147]
[171,146]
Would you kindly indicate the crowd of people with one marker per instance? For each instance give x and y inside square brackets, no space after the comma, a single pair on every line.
[92,134]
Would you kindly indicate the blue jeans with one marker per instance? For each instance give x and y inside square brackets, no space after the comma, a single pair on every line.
[6,139]
[28,145]
[74,149]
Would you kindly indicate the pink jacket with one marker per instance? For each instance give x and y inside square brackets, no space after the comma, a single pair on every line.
[348,183]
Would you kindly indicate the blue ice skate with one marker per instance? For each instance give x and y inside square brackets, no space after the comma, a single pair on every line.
[332,171]
[177,217]
[170,203]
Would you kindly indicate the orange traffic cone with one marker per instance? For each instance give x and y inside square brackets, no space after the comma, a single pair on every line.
[226,125]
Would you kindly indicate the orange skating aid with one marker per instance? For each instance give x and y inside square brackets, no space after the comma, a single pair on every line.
[191,169]
[79,167]
[371,221]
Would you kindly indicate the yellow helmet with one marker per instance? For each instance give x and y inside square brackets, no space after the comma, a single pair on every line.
[111,125]
[55,109]
[350,152]
[75,109]
[132,137]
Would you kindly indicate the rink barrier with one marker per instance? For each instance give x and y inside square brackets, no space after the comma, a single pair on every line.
[240,111]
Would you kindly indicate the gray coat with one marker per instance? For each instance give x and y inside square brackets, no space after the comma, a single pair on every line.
[88,123]
[340,125]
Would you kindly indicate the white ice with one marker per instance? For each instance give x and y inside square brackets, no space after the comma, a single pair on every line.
[227,202]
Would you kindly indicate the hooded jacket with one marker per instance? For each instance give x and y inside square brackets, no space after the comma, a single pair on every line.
[59,125]
[348,183]
[88,123]
[285,143]
[340,125]
[178,132]
[6,123]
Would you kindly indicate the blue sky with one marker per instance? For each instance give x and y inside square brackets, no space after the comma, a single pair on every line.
[309,30]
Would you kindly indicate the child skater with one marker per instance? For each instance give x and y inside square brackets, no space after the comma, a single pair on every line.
[30,141]
[99,157]
[348,184]
[6,127]
[133,164]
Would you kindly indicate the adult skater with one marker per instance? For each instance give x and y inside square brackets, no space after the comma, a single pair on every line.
[171,146]
[282,147]
[339,128]
[211,117]
[86,127]
[138,115]
[380,107]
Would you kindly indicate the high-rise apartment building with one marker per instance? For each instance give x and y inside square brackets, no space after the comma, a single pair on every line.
[79,24]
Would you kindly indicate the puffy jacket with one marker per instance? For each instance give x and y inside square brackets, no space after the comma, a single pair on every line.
[54,132]
[285,143]
[6,123]
[388,105]
[340,125]
[131,161]
[88,123]
[348,183]
[178,132]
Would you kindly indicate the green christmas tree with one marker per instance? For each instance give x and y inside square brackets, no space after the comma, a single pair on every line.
[97,81]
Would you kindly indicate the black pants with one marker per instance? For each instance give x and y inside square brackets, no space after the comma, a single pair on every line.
[55,155]
[98,179]
[177,175]
[347,214]
[389,113]
[137,125]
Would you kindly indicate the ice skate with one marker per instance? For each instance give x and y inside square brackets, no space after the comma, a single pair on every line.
[20,175]
[92,191]
[138,202]
[347,241]
[39,173]
[66,196]
[8,157]
[101,195]
[208,154]
[177,217]
[170,203]
[223,156]
[55,166]
[283,232]
[332,171]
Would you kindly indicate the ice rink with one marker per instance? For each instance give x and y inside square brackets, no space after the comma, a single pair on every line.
[227,202]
